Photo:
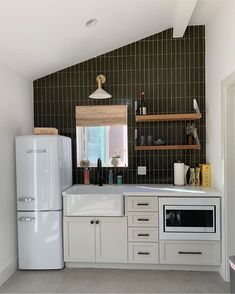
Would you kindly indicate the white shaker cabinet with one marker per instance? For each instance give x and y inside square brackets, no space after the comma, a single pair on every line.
[111,239]
[79,239]
[95,239]
[142,213]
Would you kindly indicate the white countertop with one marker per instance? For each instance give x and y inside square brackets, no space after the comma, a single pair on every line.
[143,190]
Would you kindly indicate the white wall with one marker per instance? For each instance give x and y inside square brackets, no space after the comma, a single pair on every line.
[16,118]
[220,62]
[229,171]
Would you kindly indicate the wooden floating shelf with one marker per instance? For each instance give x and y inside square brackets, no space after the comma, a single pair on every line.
[168,117]
[168,147]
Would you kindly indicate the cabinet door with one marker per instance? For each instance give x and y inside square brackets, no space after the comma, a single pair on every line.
[111,239]
[79,239]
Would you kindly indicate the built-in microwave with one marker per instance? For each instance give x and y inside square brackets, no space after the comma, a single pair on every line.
[184,218]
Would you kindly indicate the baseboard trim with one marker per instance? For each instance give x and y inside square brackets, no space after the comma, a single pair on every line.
[8,271]
[142,266]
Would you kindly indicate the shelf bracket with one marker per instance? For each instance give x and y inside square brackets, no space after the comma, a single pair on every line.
[195,106]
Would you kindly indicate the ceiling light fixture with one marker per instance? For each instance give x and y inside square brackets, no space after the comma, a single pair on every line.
[100,93]
[91,22]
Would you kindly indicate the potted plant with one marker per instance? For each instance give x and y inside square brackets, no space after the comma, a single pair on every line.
[115,159]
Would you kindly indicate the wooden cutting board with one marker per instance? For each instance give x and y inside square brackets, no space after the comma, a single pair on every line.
[45,131]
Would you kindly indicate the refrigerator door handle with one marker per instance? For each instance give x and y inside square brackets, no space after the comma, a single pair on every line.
[26,219]
[26,199]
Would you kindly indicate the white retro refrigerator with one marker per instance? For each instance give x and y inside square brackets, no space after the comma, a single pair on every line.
[43,171]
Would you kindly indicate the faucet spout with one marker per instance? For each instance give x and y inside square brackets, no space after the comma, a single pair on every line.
[99,172]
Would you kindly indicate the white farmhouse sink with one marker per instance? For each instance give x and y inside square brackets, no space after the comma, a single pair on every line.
[93,201]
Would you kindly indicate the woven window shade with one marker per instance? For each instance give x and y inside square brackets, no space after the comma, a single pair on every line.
[101,115]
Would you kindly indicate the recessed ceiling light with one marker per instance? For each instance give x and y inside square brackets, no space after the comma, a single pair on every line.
[91,22]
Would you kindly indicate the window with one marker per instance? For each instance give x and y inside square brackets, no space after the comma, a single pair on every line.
[96,143]
[104,138]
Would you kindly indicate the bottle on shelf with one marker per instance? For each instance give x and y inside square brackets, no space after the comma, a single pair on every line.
[142,107]
[136,108]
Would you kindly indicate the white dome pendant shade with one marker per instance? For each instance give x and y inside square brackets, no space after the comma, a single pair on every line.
[100,93]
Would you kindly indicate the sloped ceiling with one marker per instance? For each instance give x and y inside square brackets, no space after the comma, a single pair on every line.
[38,37]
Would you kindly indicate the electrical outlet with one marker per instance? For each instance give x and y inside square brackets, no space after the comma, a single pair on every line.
[142,170]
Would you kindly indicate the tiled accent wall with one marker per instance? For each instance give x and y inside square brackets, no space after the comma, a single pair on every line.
[170,71]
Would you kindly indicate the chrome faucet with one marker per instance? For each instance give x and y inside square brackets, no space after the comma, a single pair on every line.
[99,172]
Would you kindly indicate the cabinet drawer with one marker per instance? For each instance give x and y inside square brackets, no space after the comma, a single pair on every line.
[142,204]
[143,219]
[190,252]
[143,252]
[143,234]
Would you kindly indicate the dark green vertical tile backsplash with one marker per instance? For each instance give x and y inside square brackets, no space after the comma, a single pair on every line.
[170,71]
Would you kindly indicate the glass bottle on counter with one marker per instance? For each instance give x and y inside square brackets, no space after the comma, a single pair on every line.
[110,177]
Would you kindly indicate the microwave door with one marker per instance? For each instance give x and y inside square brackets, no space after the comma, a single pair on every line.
[187,219]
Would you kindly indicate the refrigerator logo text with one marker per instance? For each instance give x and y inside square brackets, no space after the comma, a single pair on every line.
[30,151]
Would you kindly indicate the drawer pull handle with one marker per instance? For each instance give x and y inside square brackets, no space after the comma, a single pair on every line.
[143,235]
[143,253]
[142,204]
[26,199]
[190,252]
[142,219]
